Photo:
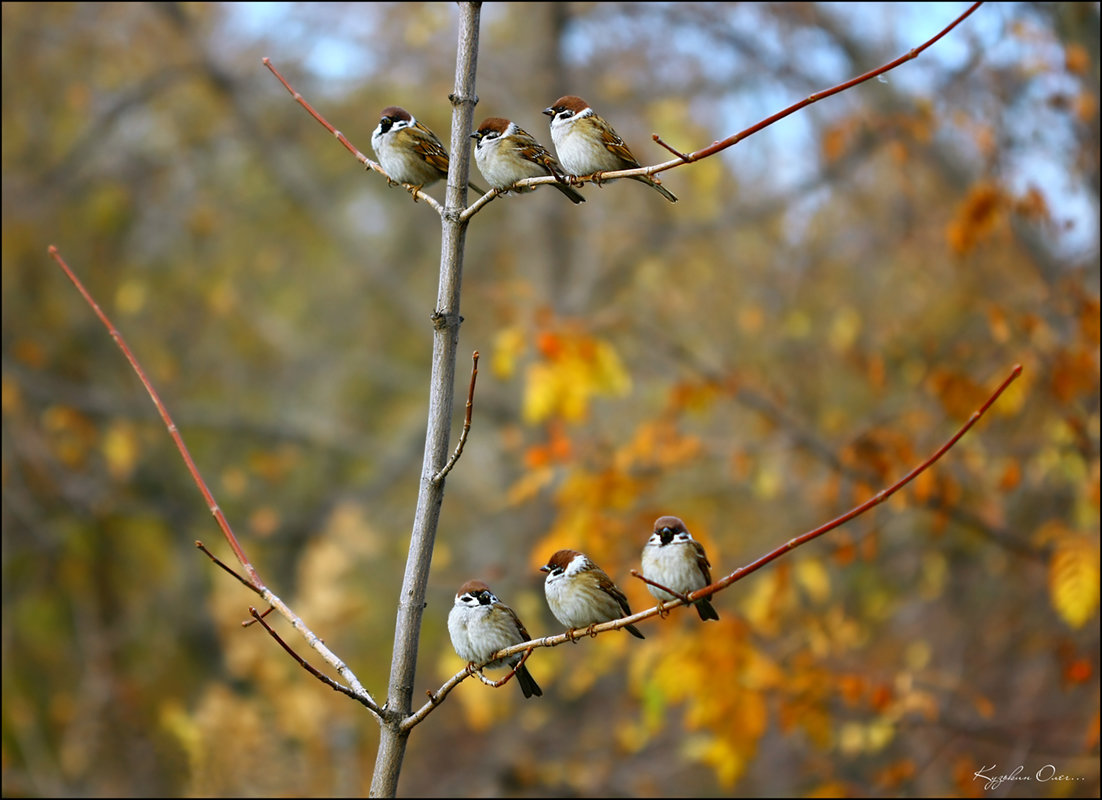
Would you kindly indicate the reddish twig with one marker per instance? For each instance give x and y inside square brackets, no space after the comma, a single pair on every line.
[437,697]
[367,162]
[439,476]
[513,671]
[682,597]
[739,574]
[872,502]
[716,147]
[253,580]
[226,567]
[817,96]
[332,684]
[223,523]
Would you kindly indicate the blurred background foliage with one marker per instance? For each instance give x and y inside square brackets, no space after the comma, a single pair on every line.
[828,302]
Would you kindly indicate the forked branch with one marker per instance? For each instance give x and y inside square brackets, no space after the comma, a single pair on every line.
[252,579]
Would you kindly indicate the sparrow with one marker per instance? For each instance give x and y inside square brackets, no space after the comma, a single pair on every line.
[480,625]
[506,153]
[586,144]
[409,152]
[581,595]
[673,558]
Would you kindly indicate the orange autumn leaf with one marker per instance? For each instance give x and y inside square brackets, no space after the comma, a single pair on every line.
[1032,205]
[1080,670]
[976,218]
[958,393]
[1090,321]
[1074,373]
[696,396]
[1011,477]
[894,775]
[1077,59]
[657,444]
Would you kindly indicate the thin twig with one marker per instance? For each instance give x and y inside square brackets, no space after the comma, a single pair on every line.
[738,574]
[335,685]
[872,502]
[226,567]
[439,476]
[253,578]
[367,162]
[683,159]
[680,595]
[499,683]
[223,523]
[813,98]
[669,147]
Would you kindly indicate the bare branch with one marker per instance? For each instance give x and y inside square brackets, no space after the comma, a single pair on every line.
[223,565]
[716,147]
[365,699]
[223,523]
[254,581]
[680,595]
[367,162]
[439,476]
[813,98]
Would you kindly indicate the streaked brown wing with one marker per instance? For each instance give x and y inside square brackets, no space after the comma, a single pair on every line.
[520,626]
[702,561]
[616,146]
[430,148]
[606,583]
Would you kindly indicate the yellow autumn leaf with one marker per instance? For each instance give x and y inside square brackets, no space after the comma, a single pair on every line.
[610,376]
[575,369]
[1073,578]
[509,345]
[120,449]
[814,579]
[844,329]
[540,393]
[726,722]
[722,756]
[529,485]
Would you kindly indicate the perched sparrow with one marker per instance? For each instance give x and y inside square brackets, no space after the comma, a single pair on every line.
[506,154]
[480,625]
[409,152]
[581,594]
[587,144]
[673,558]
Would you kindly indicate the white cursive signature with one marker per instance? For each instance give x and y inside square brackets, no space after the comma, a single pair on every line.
[1043,775]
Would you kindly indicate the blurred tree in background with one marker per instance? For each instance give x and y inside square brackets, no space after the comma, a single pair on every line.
[828,301]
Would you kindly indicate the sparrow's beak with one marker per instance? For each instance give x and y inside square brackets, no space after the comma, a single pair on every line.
[549,112]
[545,568]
